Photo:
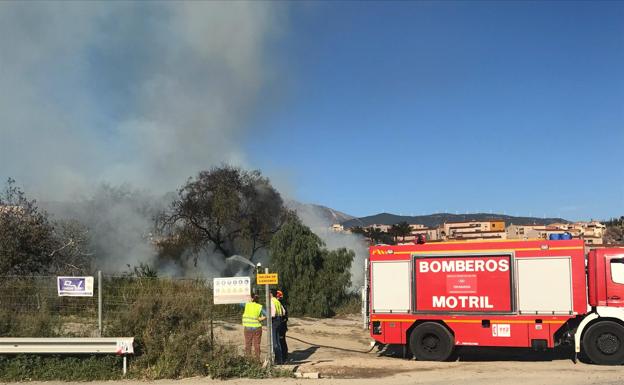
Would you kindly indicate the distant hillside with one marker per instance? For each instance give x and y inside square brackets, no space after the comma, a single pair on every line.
[434,220]
[321,213]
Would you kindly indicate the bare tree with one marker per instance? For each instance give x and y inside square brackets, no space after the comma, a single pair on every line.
[30,243]
[224,210]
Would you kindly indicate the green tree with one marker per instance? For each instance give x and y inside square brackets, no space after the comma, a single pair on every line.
[402,229]
[225,210]
[376,235]
[315,279]
[358,230]
[394,231]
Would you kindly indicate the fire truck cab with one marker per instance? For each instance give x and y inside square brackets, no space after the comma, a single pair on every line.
[508,293]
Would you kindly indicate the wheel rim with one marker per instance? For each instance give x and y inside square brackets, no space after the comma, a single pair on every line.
[608,343]
[430,343]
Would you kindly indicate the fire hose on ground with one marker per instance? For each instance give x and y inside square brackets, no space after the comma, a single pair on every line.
[333,347]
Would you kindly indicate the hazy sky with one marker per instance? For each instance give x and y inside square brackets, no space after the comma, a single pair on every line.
[405,107]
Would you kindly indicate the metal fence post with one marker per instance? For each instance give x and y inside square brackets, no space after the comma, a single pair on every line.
[211,334]
[269,323]
[100,304]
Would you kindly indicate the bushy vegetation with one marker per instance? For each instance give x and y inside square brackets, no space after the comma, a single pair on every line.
[615,230]
[170,320]
[316,279]
[64,368]
[222,212]
[227,364]
[352,304]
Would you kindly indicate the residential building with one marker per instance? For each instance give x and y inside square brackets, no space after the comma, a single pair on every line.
[592,232]
[491,229]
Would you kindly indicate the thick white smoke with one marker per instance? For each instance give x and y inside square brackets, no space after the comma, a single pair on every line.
[314,217]
[143,92]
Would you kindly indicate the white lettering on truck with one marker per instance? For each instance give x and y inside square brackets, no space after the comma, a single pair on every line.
[463,265]
[464,301]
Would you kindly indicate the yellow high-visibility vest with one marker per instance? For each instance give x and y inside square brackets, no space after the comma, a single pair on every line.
[278,307]
[251,315]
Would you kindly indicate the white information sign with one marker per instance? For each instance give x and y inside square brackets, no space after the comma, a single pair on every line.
[231,290]
[75,286]
[501,330]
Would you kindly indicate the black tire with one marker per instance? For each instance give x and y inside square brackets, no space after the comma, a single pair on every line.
[431,341]
[603,343]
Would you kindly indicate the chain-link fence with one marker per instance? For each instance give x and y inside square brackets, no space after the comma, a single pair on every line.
[32,307]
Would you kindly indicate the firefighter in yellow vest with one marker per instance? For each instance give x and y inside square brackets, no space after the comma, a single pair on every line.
[276,323]
[252,316]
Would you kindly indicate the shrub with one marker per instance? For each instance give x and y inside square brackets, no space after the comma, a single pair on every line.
[171,323]
[64,368]
[38,324]
[352,304]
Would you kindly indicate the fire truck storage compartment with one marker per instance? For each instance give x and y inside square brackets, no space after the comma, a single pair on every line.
[390,286]
[393,332]
[544,285]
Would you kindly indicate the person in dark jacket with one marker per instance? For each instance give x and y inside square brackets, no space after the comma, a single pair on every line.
[283,327]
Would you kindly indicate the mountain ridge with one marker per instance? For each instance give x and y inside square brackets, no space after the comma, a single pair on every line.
[434,220]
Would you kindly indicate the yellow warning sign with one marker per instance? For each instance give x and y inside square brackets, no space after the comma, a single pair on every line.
[266,279]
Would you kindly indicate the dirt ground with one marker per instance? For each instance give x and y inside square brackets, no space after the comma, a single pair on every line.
[336,349]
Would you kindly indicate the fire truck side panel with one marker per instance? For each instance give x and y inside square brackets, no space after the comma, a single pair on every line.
[493,334]
[551,270]
[390,286]
[393,332]
[594,288]
[544,285]
[498,331]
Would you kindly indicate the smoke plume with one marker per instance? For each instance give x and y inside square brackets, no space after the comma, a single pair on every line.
[145,93]
[314,217]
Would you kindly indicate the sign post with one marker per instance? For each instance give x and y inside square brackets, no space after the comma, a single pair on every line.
[269,320]
[267,279]
[100,303]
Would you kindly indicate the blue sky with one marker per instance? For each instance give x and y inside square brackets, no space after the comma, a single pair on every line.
[421,107]
[365,107]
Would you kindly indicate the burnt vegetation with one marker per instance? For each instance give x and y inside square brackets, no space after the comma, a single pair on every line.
[221,212]
[32,243]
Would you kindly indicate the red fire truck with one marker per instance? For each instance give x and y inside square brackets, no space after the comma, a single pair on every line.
[505,293]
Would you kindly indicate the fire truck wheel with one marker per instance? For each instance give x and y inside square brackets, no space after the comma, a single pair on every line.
[603,343]
[431,341]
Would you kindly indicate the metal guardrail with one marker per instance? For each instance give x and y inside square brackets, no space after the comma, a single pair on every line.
[108,345]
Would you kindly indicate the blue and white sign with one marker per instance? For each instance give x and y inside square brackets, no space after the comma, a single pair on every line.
[75,286]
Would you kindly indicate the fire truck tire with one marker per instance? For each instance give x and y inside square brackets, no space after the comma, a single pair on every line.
[431,341]
[603,343]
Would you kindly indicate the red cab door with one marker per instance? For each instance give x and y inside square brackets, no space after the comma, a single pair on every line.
[615,279]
